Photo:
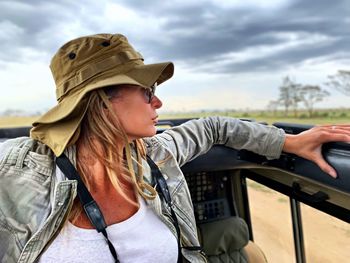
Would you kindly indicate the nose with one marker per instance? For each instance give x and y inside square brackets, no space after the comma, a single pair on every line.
[156,102]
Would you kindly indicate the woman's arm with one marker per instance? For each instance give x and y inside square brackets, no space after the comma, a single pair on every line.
[196,137]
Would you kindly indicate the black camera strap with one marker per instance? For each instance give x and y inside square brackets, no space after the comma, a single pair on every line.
[163,191]
[91,208]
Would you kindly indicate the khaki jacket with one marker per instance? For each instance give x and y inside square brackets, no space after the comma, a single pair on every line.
[35,203]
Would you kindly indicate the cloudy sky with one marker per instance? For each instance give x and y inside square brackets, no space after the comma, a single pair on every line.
[228,54]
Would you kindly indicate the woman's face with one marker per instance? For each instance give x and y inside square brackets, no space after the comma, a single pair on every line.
[136,109]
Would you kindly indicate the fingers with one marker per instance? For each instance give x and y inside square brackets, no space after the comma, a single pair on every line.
[345,126]
[336,137]
[334,128]
[340,137]
[326,167]
[337,127]
[329,133]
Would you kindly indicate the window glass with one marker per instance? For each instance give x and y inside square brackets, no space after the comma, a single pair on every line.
[272,224]
[326,238]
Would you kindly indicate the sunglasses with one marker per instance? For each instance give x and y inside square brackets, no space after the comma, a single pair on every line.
[149,93]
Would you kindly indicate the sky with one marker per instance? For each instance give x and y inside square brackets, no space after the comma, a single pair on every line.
[228,54]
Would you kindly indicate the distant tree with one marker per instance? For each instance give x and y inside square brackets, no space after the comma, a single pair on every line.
[310,95]
[340,81]
[296,97]
[272,106]
[289,95]
[285,96]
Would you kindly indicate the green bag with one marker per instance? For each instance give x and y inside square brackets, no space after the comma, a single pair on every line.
[224,240]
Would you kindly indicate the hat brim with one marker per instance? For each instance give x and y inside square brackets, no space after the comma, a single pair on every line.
[142,75]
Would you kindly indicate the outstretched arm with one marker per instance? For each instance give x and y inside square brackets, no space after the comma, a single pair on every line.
[308,144]
[196,137]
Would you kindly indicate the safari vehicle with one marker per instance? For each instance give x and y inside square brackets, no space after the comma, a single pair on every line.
[299,213]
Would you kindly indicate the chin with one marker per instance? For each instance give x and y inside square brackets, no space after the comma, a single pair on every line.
[147,133]
[152,132]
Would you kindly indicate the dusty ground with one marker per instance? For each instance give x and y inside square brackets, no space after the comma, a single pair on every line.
[327,239]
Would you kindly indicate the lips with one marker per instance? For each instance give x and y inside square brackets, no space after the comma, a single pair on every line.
[155,119]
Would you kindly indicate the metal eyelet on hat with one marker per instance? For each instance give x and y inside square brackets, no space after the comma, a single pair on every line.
[105,43]
[72,55]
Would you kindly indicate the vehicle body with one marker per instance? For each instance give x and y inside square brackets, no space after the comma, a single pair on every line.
[219,188]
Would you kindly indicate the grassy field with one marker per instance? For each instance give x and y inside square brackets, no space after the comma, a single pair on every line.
[329,116]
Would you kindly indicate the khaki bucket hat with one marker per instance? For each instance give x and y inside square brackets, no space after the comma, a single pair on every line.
[85,64]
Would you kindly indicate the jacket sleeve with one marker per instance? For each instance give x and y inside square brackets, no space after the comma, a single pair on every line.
[196,137]
[3,150]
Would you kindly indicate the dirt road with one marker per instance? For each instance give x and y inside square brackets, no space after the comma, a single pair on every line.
[327,239]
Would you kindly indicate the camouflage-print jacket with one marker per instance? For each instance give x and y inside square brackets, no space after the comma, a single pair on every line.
[35,203]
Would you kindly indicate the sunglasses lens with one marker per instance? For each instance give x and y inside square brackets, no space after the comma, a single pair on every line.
[150,93]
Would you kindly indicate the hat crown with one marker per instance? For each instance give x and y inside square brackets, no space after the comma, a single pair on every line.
[83,59]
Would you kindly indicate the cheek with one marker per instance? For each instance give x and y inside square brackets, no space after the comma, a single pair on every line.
[130,120]
[125,119]
[135,118]
[122,114]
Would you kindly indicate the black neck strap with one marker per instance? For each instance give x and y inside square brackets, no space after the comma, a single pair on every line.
[94,213]
[91,208]
[163,191]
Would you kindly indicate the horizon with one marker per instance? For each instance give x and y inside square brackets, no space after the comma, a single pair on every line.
[22,113]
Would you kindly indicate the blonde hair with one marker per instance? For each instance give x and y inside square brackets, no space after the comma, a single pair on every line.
[101,129]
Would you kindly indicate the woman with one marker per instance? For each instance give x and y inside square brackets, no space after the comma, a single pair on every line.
[104,123]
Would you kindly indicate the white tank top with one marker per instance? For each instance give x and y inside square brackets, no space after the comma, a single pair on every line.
[141,238]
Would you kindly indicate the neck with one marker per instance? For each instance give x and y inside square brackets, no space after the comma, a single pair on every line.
[96,170]
[102,190]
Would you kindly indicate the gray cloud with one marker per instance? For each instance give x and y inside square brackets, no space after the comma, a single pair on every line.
[259,31]
[35,26]
[201,33]
[194,34]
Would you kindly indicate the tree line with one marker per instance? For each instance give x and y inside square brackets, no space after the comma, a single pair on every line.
[292,94]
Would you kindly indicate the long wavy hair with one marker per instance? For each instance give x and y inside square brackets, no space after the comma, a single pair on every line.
[102,130]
